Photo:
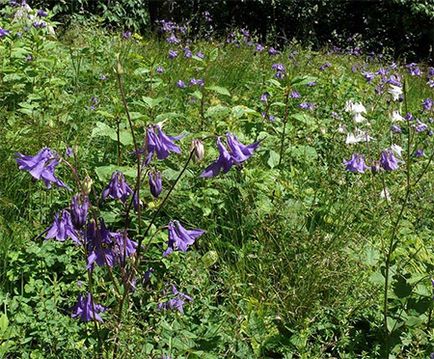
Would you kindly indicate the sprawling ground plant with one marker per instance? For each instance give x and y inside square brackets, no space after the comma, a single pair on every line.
[169,198]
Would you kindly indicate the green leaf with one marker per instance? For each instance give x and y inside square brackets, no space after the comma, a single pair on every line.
[104,130]
[273,158]
[241,110]
[218,89]
[4,323]
[214,54]
[105,172]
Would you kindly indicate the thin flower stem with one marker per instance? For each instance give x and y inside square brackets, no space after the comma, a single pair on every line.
[285,121]
[393,241]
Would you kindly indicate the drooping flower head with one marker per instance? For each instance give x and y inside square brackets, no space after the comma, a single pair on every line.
[86,310]
[356,163]
[62,228]
[388,161]
[159,143]
[172,54]
[181,238]
[181,84]
[155,183]
[41,166]
[177,302]
[238,154]
[117,188]
[79,208]
[3,32]
[105,247]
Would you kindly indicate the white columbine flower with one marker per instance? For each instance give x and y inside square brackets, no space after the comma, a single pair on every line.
[384,194]
[356,109]
[395,91]
[397,149]
[396,116]
[358,136]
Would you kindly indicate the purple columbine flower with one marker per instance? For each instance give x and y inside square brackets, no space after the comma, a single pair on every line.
[62,228]
[180,238]
[200,55]
[172,39]
[79,209]
[102,77]
[181,84]
[155,183]
[239,153]
[279,75]
[278,67]
[311,83]
[41,166]
[198,82]
[126,35]
[117,188]
[419,153]
[294,94]
[381,72]
[427,104]
[420,127]
[369,76]
[187,53]
[430,83]
[264,97]
[175,303]
[388,160]
[394,80]
[87,310]
[395,129]
[4,32]
[272,51]
[413,69]
[105,247]
[325,66]
[259,48]
[356,163]
[172,54]
[41,13]
[307,106]
[159,70]
[160,143]
[207,16]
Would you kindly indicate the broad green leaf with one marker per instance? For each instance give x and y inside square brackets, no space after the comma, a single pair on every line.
[218,89]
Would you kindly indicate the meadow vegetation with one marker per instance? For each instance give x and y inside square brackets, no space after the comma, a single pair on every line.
[318,239]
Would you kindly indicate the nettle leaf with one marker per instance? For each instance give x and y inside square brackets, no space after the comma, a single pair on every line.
[218,89]
[217,111]
[304,118]
[104,130]
[150,102]
[241,110]
[303,80]
[104,173]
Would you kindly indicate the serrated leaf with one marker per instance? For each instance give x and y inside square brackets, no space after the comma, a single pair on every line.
[104,130]
[218,89]
[104,173]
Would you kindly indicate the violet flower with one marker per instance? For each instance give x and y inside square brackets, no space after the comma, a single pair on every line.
[294,94]
[200,55]
[159,70]
[41,13]
[395,129]
[419,153]
[175,303]
[117,188]
[388,161]
[126,35]
[427,104]
[264,97]
[180,238]
[172,39]
[325,66]
[4,32]
[272,51]
[356,164]
[86,310]
[187,53]
[420,127]
[41,166]
[237,155]
[159,143]
[79,209]
[155,183]
[181,84]
[172,54]
[62,228]
[259,48]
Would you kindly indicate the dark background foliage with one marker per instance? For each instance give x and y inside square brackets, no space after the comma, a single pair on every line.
[404,27]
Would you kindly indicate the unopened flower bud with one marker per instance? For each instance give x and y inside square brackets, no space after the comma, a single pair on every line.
[199,150]
[155,183]
[87,184]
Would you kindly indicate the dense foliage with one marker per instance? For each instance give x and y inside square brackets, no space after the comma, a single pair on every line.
[318,234]
[403,28]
